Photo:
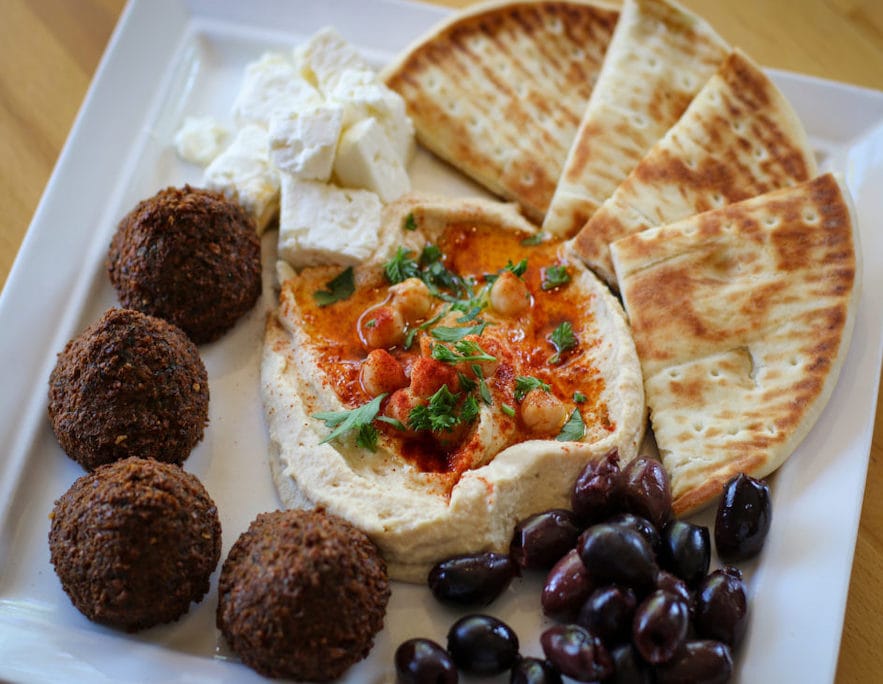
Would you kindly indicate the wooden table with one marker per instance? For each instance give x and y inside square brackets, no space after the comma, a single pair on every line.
[49,50]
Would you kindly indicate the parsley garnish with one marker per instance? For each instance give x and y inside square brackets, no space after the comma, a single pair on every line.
[446,334]
[573,429]
[579,397]
[339,288]
[533,240]
[464,350]
[508,410]
[430,255]
[563,339]
[526,383]
[483,389]
[469,410]
[554,276]
[359,418]
[519,268]
[437,415]
[410,222]
[401,267]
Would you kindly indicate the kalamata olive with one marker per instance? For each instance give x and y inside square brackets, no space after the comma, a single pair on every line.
[641,525]
[646,490]
[422,661]
[596,493]
[473,580]
[576,653]
[542,539]
[482,645]
[608,614]
[675,585]
[630,669]
[660,627]
[698,662]
[721,611]
[615,554]
[534,671]
[567,587]
[743,519]
[686,550]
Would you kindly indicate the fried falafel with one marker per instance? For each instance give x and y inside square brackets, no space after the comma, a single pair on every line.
[190,256]
[135,542]
[302,595]
[128,385]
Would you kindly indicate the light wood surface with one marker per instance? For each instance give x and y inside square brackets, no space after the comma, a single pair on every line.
[49,50]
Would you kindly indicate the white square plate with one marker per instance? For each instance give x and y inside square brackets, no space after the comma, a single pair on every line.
[172,58]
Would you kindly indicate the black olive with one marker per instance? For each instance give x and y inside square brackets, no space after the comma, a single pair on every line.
[743,519]
[473,580]
[660,627]
[542,539]
[641,525]
[567,587]
[646,490]
[420,661]
[721,611]
[608,614]
[686,550]
[698,662]
[534,671]
[576,653]
[597,491]
[615,554]
[482,645]
[630,669]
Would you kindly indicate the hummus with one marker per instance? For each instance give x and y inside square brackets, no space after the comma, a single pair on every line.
[465,374]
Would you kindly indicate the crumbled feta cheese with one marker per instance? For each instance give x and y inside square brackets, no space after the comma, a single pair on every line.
[303,143]
[366,159]
[363,95]
[200,139]
[272,86]
[243,172]
[323,224]
[323,58]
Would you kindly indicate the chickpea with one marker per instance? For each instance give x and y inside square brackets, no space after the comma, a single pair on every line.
[542,412]
[412,299]
[509,295]
[381,373]
[428,376]
[382,327]
[399,407]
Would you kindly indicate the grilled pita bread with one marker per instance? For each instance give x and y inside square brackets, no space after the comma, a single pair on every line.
[738,138]
[742,317]
[659,57]
[498,91]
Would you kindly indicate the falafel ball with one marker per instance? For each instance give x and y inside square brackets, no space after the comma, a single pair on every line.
[135,542]
[128,385]
[302,595]
[190,256]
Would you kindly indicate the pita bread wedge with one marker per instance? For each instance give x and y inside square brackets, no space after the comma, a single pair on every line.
[738,138]
[659,57]
[498,91]
[742,318]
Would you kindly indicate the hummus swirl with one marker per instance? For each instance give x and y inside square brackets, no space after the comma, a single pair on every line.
[480,368]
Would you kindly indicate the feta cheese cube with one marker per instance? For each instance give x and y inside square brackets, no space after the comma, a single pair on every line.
[243,172]
[363,95]
[325,56]
[366,159]
[323,224]
[200,139]
[272,85]
[303,143]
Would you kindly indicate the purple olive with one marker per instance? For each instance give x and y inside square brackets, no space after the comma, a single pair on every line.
[597,492]
[576,653]
[641,525]
[542,539]
[482,645]
[646,490]
[698,662]
[608,613]
[615,554]
[419,661]
[686,550]
[534,671]
[567,587]
[675,585]
[660,627]
[722,607]
[743,519]
[630,669]
[473,580]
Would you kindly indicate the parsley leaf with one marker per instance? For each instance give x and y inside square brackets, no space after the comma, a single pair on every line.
[437,415]
[508,410]
[430,255]
[533,240]
[446,334]
[339,288]
[410,222]
[563,339]
[554,276]
[526,383]
[469,410]
[401,267]
[519,268]
[464,350]
[359,418]
[573,429]
[412,332]
[579,397]
[483,390]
